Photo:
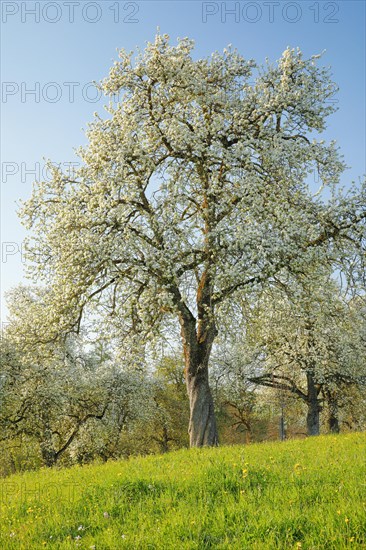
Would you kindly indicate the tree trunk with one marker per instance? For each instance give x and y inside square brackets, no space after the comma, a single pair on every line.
[164,442]
[313,418]
[314,407]
[197,345]
[202,423]
[49,455]
[334,423]
[333,420]
[198,336]
[282,426]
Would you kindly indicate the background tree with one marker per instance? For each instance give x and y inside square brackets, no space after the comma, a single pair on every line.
[62,395]
[191,191]
[309,339]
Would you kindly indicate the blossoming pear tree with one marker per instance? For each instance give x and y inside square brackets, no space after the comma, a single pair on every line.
[308,337]
[193,189]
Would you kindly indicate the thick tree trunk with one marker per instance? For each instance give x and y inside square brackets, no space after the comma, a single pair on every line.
[198,335]
[313,418]
[314,407]
[202,423]
[197,345]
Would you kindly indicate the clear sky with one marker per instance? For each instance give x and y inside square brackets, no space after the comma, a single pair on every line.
[52,50]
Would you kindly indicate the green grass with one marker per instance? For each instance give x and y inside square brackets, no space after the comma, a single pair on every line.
[308,494]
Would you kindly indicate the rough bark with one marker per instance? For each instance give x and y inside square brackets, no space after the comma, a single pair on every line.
[202,423]
[313,418]
[197,345]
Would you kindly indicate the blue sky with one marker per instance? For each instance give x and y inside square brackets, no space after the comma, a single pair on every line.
[58,48]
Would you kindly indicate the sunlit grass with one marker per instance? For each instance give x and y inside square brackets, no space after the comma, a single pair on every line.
[308,494]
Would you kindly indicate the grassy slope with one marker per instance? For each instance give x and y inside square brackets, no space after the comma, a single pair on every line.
[308,494]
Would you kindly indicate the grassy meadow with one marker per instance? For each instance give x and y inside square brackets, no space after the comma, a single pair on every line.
[300,494]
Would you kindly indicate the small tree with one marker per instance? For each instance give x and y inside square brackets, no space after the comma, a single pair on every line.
[194,189]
